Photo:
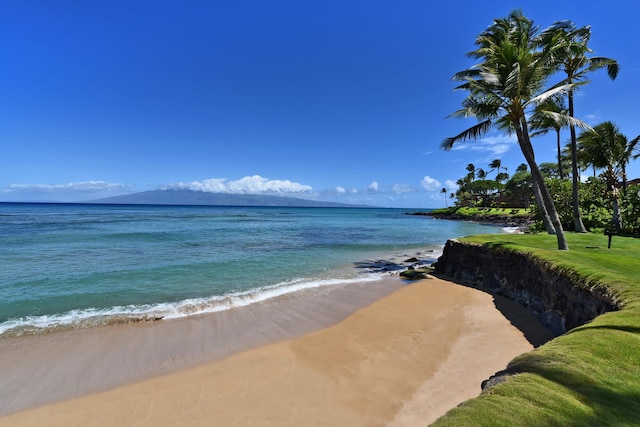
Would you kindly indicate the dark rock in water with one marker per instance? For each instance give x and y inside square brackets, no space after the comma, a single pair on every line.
[415,274]
[414,259]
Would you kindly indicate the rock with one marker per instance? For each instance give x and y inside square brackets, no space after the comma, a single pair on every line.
[561,302]
[416,274]
[497,378]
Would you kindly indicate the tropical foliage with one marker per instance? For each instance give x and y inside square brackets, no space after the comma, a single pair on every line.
[569,45]
[504,88]
[509,91]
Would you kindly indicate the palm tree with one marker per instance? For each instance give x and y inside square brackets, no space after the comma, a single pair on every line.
[471,168]
[495,165]
[609,149]
[629,153]
[503,89]
[542,123]
[570,47]
[481,174]
[502,176]
[606,147]
[444,191]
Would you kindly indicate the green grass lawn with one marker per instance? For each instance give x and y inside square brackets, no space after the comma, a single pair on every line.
[589,376]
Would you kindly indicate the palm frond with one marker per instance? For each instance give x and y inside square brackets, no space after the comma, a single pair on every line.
[563,120]
[552,93]
[512,84]
[474,132]
[462,113]
[470,73]
[612,66]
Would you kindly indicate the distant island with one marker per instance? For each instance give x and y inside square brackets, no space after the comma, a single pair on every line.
[201,198]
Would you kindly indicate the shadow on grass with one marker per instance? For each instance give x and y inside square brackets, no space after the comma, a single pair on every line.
[630,329]
[608,406]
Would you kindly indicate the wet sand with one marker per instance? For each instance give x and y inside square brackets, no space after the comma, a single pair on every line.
[401,360]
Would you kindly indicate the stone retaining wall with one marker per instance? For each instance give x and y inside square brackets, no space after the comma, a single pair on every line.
[561,302]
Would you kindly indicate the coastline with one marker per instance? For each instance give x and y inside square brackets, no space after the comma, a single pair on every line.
[404,353]
[519,224]
[60,365]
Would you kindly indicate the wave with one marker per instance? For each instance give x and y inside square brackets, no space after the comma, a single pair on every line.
[94,317]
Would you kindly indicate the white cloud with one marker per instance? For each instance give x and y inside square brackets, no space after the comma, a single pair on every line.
[496,145]
[430,184]
[593,118]
[71,187]
[450,185]
[340,190]
[373,187]
[402,188]
[249,185]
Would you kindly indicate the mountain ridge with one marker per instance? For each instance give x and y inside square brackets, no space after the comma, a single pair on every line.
[201,198]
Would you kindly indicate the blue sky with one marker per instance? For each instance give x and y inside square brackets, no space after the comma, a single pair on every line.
[331,100]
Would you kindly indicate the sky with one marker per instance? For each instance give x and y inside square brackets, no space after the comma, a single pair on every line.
[344,101]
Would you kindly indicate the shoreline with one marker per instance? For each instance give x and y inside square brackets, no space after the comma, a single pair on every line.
[366,270]
[340,357]
[40,369]
[501,220]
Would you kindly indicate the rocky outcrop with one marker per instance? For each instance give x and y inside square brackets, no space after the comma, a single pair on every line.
[561,299]
[505,219]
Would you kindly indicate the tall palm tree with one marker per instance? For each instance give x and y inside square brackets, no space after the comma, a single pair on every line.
[444,191]
[607,147]
[481,174]
[542,123]
[495,165]
[631,152]
[570,47]
[471,168]
[505,87]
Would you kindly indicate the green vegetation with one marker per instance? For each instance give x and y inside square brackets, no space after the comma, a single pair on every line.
[495,215]
[506,86]
[589,376]
[524,84]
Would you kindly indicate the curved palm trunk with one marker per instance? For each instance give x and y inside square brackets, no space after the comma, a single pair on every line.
[546,220]
[575,202]
[536,175]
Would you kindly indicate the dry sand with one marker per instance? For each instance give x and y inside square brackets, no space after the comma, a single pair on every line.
[402,361]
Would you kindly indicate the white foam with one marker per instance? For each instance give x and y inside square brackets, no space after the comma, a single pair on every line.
[92,317]
[510,229]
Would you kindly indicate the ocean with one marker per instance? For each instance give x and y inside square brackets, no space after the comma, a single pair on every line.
[72,266]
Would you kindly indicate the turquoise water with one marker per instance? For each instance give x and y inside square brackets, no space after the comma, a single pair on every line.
[72,265]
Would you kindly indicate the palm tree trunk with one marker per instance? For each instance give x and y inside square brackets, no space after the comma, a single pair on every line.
[575,201]
[546,220]
[615,221]
[536,175]
[560,173]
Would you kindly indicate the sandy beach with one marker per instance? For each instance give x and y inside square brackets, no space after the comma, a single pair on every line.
[402,360]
